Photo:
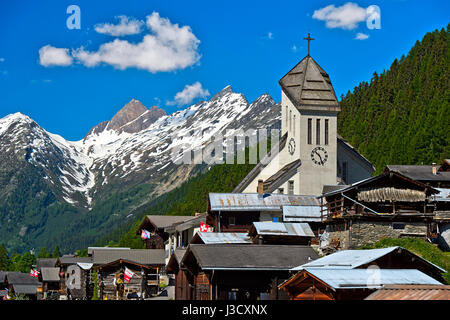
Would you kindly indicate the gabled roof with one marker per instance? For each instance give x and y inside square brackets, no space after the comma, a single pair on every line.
[174,263]
[352,259]
[420,172]
[256,202]
[50,274]
[46,263]
[386,174]
[347,259]
[20,278]
[361,278]
[161,221]
[141,256]
[249,256]
[308,86]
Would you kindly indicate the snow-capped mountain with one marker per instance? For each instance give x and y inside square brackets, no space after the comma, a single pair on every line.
[134,147]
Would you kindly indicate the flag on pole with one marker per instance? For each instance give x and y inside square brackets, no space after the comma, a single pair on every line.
[204,227]
[34,273]
[128,274]
[145,234]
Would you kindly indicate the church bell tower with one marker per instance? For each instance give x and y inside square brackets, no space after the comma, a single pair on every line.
[309,117]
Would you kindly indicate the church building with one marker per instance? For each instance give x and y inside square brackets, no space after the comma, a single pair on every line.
[310,153]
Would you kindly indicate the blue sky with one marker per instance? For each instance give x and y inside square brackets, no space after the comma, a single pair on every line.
[247,44]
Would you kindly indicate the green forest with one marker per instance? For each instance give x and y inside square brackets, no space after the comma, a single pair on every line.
[402,116]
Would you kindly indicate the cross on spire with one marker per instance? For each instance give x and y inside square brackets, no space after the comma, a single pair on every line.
[309,40]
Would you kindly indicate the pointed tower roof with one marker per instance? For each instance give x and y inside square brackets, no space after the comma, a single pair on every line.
[309,87]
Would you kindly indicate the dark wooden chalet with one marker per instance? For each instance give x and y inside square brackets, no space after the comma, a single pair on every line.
[388,205]
[183,289]
[156,225]
[143,283]
[112,261]
[240,271]
[433,175]
[354,274]
[349,284]
[19,283]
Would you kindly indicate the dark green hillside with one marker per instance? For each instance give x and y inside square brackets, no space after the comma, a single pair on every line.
[190,197]
[403,115]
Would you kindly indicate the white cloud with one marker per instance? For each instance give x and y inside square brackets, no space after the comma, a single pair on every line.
[270,35]
[294,48]
[51,56]
[2,59]
[361,36]
[125,27]
[346,16]
[189,93]
[169,47]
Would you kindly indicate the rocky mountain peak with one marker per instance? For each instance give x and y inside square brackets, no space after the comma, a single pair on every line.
[221,93]
[128,113]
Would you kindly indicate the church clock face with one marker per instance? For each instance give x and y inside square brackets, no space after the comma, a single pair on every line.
[319,156]
[291,146]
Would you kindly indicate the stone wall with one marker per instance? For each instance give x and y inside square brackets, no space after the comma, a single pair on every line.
[368,232]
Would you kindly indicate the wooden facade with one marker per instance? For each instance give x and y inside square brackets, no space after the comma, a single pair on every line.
[143,283]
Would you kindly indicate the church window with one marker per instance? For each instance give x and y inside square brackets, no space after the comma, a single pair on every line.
[291,187]
[290,120]
[294,125]
[286,117]
[318,131]
[309,131]
[326,131]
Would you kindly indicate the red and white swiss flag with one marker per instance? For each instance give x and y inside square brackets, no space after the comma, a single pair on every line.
[127,275]
[204,227]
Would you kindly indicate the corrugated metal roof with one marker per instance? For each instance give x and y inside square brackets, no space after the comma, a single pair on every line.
[347,259]
[411,292]
[350,259]
[256,202]
[283,229]
[372,278]
[302,213]
[50,274]
[223,237]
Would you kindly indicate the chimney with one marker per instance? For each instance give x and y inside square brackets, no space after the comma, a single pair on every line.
[434,168]
[260,188]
